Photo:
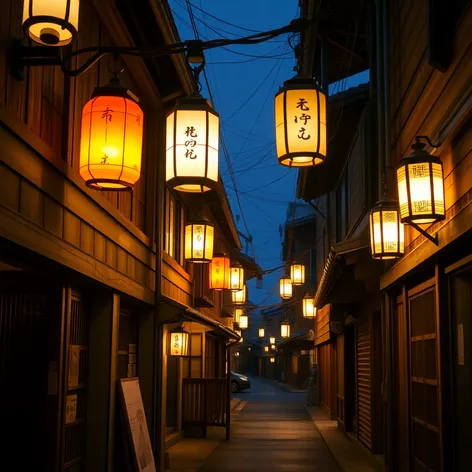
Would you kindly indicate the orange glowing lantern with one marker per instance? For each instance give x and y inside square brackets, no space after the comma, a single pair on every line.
[219,272]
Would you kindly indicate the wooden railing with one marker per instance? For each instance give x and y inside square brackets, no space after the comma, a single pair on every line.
[206,402]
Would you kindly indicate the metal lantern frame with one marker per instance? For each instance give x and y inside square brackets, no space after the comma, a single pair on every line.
[239,297]
[285,329]
[285,282]
[381,208]
[236,277]
[185,341]
[201,221]
[225,275]
[272,340]
[309,308]
[261,332]
[297,266]
[286,158]
[243,321]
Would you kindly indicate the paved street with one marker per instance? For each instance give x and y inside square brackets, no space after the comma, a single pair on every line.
[272,432]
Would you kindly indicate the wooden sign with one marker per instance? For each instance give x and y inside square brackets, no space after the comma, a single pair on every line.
[136,426]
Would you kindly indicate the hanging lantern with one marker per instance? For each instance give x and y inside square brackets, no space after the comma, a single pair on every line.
[300,123]
[272,360]
[272,346]
[199,236]
[285,329]
[237,314]
[420,179]
[272,340]
[261,332]
[236,353]
[178,342]
[243,321]
[111,139]
[192,145]
[286,289]
[266,348]
[51,22]
[309,309]
[219,272]
[387,239]
[239,297]
[297,273]
[236,277]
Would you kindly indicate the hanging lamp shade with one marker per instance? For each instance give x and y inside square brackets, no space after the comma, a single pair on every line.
[236,278]
[420,179]
[51,22]
[309,309]
[272,340]
[297,273]
[286,288]
[199,236]
[300,123]
[387,237]
[261,332]
[111,139]
[219,272]
[239,297]
[243,321]
[192,141]
[285,329]
[178,342]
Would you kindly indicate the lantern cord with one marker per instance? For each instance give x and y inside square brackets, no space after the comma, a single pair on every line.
[426,138]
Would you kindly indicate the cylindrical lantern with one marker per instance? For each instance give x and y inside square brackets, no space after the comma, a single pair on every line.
[236,277]
[272,360]
[111,139]
[261,332]
[285,329]
[286,289]
[420,179]
[266,348]
[387,238]
[178,342]
[297,273]
[300,123]
[243,321]
[237,314]
[219,272]
[239,297]
[192,145]
[272,340]
[309,309]
[199,236]
[51,22]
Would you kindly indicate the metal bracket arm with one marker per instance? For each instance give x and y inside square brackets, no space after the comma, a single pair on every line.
[24,56]
[434,239]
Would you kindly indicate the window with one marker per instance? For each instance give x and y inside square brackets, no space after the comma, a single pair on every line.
[174,227]
[204,296]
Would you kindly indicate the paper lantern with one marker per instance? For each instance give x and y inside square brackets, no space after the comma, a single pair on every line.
[272,340]
[219,272]
[243,321]
[300,123]
[309,309]
[178,342]
[387,238]
[192,145]
[285,329]
[420,179]
[261,332]
[111,139]
[297,273]
[272,360]
[286,289]
[266,348]
[236,277]
[199,236]
[51,22]
[239,297]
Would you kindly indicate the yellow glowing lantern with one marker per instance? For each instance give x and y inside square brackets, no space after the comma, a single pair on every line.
[239,297]
[272,360]
[266,348]
[297,273]
[237,314]
[272,346]
[387,239]
[285,329]
[420,179]
[243,321]
[111,139]
[51,22]
[261,332]
[272,340]
[178,342]
[199,236]
[309,309]
[236,277]
[192,145]
[300,123]
[286,289]
[236,353]
[219,272]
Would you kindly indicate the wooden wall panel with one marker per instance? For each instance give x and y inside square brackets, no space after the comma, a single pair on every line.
[323,318]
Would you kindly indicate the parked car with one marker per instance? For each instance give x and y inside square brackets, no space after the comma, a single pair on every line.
[239,382]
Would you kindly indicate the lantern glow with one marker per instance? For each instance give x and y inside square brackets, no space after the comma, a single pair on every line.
[266,348]
[111,139]
[272,360]
[236,277]
[420,179]
[387,238]
[286,288]
[178,342]
[272,346]
[237,314]
[219,272]
[297,273]
[199,236]
[261,332]
[272,340]
[309,309]
[243,321]
[285,329]
[239,297]
[300,123]
[192,141]
[51,22]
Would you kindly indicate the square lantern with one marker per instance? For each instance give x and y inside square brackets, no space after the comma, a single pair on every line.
[266,348]
[243,321]
[236,277]
[285,329]
[286,288]
[178,342]
[111,139]
[237,314]
[219,272]
[300,123]
[309,309]
[297,273]
[199,236]
[420,179]
[261,332]
[272,340]
[387,236]
[239,297]
[192,140]
[51,22]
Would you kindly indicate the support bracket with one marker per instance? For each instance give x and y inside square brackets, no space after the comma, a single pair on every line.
[434,239]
